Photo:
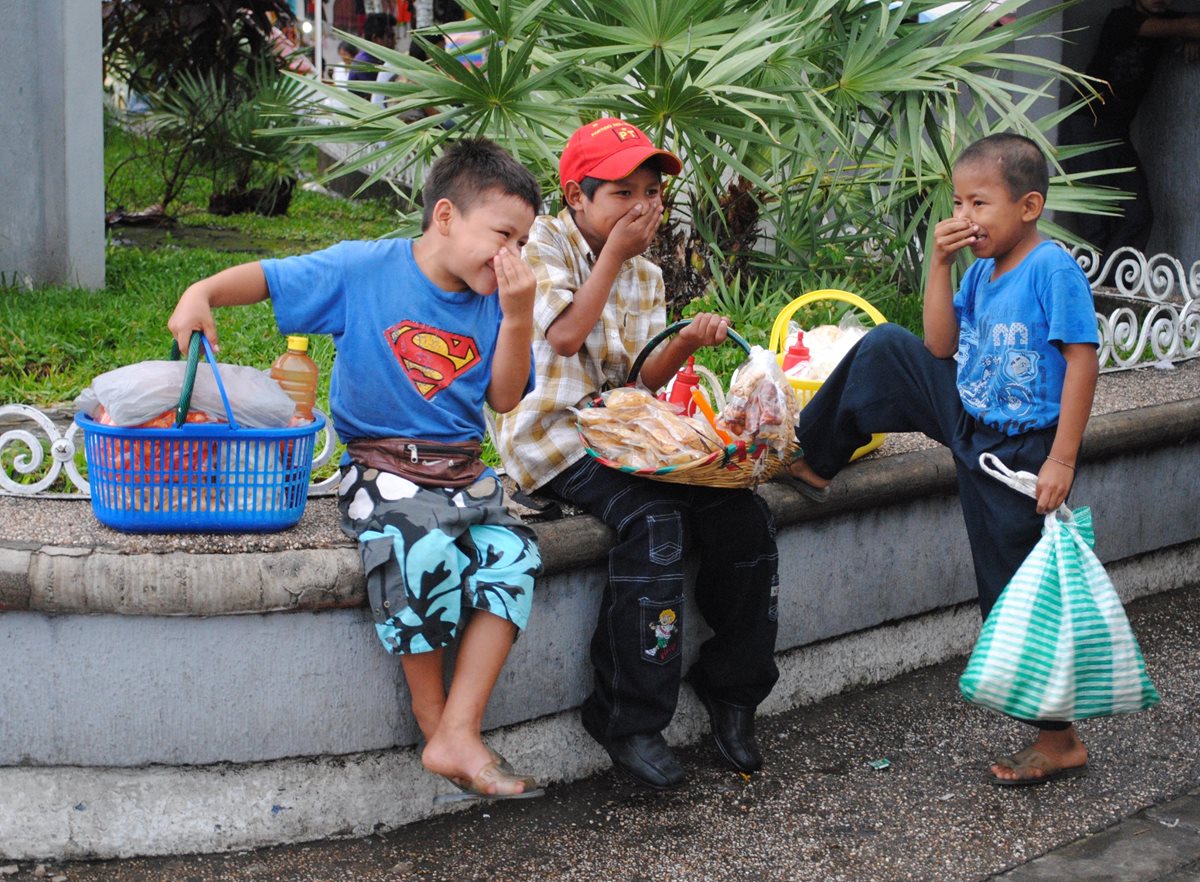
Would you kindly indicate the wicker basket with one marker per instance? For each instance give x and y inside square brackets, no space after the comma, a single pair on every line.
[806,389]
[736,465]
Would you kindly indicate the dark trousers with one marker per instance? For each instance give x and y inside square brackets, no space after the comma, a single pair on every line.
[890,382]
[637,645]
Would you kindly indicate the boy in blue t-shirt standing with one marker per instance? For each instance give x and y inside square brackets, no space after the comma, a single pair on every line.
[1022,334]
[422,344]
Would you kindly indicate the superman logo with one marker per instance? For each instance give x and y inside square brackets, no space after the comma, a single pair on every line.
[432,358]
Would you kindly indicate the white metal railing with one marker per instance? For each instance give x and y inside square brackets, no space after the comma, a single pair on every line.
[1160,324]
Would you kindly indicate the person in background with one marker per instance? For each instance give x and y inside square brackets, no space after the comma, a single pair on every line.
[284,45]
[341,72]
[379,28]
[1132,41]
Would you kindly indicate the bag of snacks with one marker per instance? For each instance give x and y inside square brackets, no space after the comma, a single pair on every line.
[761,406]
[636,429]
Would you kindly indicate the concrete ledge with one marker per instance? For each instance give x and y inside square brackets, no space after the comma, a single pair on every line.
[73,812]
[79,812]
[191,579]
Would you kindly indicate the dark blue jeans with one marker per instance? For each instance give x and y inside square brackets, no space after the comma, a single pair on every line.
[637,645]
[890,382]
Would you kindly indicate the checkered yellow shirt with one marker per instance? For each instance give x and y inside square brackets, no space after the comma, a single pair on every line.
[537,440]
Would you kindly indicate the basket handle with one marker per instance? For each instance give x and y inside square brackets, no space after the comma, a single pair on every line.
[667,332]
[780,328]
[189,377]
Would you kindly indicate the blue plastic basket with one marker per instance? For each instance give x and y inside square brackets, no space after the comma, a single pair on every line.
[199,477]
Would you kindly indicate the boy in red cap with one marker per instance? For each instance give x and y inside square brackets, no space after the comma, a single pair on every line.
[598,303]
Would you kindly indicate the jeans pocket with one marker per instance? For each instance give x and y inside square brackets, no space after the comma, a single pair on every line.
[661,624]
[666,538]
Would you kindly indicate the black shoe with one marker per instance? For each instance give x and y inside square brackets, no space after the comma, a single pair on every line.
[732,730]
[645,757]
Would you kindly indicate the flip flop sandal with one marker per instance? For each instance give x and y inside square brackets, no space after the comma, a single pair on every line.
[490,775]
[816,494]
[1031,759]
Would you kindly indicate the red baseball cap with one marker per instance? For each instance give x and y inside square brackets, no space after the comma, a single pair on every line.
[609,149]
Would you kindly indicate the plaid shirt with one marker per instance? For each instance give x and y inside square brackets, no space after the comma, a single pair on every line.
[538,440]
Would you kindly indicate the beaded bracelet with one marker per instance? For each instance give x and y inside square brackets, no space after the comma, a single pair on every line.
[1060,462]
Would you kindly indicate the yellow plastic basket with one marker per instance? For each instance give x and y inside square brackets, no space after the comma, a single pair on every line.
[806,389]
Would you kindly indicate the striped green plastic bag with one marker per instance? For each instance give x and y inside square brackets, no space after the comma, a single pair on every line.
[1057,644]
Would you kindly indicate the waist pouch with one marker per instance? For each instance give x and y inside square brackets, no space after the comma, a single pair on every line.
[425,463]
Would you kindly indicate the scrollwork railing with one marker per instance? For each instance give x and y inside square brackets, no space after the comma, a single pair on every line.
[1159,278]
[1161,324]
[29,456]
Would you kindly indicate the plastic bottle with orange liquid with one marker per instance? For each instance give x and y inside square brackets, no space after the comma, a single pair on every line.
[296,374]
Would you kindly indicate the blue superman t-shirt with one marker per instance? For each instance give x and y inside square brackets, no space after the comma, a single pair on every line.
[1010,373]
[413,361]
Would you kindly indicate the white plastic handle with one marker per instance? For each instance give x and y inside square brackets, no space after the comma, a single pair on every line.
[1022,482]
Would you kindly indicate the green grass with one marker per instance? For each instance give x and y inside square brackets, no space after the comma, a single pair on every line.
[55,340]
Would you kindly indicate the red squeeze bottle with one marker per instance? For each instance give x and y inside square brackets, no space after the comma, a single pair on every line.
[296,374]
[681,390]
[796,354]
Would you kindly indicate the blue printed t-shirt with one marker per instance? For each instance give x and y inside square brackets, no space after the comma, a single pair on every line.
[1010,373]
[413,361]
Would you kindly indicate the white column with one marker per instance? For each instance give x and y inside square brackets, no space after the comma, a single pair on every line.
[52,165]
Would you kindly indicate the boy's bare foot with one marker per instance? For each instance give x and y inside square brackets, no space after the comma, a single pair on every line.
[469,764]
[800,470]
[1055,754]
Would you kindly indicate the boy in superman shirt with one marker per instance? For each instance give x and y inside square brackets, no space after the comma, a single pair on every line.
[426,330]
[1008,366]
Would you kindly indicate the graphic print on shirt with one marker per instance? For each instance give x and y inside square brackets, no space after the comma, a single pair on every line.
[973,389]
[432,358]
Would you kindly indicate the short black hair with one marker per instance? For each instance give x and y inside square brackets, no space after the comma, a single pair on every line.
[376,24]
[1023,165]
[469,169]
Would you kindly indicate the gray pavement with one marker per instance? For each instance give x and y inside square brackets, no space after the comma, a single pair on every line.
[818,811]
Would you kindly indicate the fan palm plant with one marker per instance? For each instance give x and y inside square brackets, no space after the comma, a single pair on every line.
[807,130]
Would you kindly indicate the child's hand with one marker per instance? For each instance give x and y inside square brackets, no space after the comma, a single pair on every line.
[516,283]
[706,329]
[1053,484]
[635,230]
[192,313]
[952,235]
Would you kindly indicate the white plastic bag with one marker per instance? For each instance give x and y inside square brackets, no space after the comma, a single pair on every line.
[137,393]
[827,346]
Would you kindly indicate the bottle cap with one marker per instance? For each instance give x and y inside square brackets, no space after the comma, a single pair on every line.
[686,379]
[796,353]
[299,343]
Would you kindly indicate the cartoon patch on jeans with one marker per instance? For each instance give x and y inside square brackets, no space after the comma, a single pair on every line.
[664,632]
